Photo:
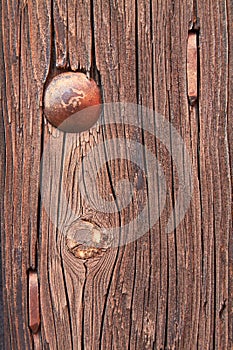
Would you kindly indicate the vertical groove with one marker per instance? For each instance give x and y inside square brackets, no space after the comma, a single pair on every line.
[58,218]
[83,310]
[230,162]
[137,53]
[2,177]
[197,110]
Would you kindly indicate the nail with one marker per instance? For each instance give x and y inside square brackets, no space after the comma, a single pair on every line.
[34,309]
[192,67]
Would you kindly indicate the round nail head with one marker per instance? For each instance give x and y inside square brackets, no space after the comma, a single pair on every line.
[72,102]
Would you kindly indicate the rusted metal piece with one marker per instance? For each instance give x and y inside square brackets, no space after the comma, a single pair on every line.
[194,24]
[72,102]
[192,68]
[34,308]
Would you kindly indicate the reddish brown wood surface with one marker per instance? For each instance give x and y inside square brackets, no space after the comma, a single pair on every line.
[161,291]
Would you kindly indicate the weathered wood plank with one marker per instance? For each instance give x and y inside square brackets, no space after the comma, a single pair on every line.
[229,136]
[163,290]
[25,59]
[215,183]
[2,177]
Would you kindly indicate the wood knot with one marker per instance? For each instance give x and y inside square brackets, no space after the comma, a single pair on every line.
[86,240]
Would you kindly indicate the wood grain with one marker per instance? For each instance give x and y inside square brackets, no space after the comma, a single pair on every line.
[162,290]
